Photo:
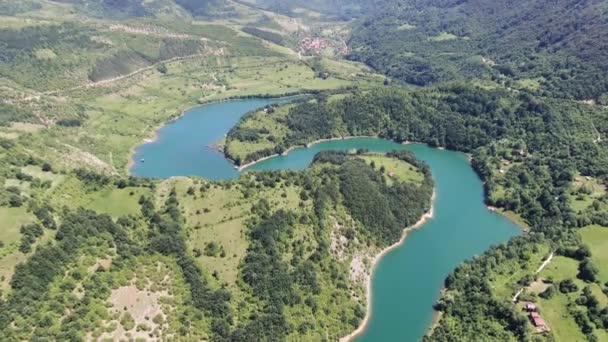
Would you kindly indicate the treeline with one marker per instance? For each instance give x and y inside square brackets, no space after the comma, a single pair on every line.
[9,114]
[497,126]
[527,150]
[283,273]
[263,34]
[288,266]
[471,311]
[383,210]
[128,60]
[268,275]
[333,9]
[37,56]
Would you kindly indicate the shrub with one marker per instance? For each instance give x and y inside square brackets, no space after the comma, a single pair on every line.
[548,293]
[587,271]
[567,286]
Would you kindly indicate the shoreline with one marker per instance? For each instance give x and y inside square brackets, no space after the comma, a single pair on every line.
[243,167]
[347,137]
[154,138]
[308,145]
[522,225]
[421,222]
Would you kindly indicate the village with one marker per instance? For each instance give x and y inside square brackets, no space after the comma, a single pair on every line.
[315,45]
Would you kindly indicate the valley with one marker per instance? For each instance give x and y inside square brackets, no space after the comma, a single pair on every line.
[231,170]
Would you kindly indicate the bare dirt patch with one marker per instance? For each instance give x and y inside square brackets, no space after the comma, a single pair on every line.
[360,269]
[538,286]
[139,312]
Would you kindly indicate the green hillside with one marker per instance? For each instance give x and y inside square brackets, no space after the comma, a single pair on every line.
[267,256]
[338,9]
[530,152]
[89,253]
[552,48]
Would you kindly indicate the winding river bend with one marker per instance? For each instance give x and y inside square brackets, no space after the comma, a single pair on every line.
[408,280]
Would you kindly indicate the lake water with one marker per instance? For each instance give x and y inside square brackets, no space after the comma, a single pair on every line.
[183,147]
[408,280]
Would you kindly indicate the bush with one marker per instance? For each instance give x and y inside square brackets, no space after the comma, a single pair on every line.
[15,201]
[587,271]
[127,321]
[567,286]
[162,68]
[548,293]
[69,122]
[212,249]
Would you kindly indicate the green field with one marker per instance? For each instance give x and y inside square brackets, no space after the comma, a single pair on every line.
[596,237]
[584,191]
[444,36]
[395,169]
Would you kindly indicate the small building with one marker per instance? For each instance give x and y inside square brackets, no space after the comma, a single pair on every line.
[392,174]
[539,322]
[530,307]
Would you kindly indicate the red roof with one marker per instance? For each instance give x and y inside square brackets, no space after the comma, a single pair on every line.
[539,322]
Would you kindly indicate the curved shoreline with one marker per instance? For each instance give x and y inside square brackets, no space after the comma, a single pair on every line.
[368,312]
[153,138]
[308,145]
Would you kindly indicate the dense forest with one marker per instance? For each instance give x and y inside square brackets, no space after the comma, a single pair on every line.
[549,47]
[122,9]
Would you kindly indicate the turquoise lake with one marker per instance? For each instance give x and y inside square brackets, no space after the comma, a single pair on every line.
[407,281]
[183,147]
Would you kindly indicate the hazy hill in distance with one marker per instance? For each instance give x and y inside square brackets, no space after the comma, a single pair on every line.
[339,9]
[553,47]
[142,8]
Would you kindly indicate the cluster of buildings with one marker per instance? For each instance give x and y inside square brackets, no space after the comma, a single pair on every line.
[315,45]
[535,317]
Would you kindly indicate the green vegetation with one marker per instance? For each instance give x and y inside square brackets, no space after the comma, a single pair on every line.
[340,10]
[263,34]
[74,79]
[247,259]
[524,174]
[596,238]
[269,256]
[548,48]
